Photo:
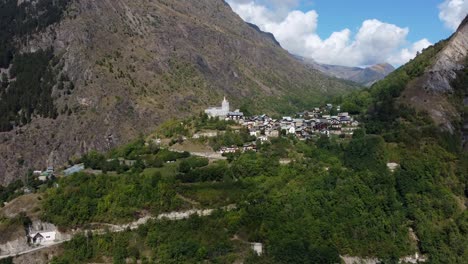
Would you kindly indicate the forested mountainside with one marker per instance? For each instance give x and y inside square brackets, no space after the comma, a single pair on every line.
[393,192]
[81,75]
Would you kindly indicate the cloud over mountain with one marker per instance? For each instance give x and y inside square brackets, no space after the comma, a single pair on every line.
[374,42]
[452,12]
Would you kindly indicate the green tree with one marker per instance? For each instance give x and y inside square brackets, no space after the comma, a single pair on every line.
[366,153]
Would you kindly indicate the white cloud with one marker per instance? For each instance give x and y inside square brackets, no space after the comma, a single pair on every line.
[375,41]
[452,12]
[407,54]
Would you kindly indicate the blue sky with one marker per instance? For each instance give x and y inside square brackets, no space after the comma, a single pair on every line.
[420,16]
[357,32]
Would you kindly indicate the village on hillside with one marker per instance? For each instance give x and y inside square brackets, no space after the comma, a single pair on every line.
[304,125]
[260,129]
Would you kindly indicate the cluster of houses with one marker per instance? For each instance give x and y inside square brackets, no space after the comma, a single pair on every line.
[305,126]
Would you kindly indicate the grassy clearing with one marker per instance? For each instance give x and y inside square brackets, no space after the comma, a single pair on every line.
[192,146]
[167,171]
[28,204]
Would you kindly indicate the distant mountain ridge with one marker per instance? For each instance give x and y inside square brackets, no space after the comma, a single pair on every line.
[365,76]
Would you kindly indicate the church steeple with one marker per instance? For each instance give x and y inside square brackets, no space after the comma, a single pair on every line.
[222,111]
[225,105]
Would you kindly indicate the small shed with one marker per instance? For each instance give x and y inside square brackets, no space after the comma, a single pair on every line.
[42,237]
[392,166]
[257,248]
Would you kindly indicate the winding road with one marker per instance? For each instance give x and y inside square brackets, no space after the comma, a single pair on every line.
[172,216]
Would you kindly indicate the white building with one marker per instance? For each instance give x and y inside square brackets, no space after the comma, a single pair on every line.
[207,134]
[222,111]
[74,169]
[257,248]
[40,233]
[392,166]
[42,178]
[43,237]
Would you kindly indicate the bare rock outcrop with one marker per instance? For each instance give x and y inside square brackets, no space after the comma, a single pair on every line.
[451,59]
[14,246]
[431,91]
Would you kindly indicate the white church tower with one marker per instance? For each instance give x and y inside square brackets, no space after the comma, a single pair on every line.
[222,111]
[225,106]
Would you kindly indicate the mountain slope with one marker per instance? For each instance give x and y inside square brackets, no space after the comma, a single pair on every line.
[365,76]
[435,83]
[435,91]
[120,68]
[418,111]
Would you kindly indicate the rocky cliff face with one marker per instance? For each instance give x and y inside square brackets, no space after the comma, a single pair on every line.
[134,64]
[451,59]
[435,91]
